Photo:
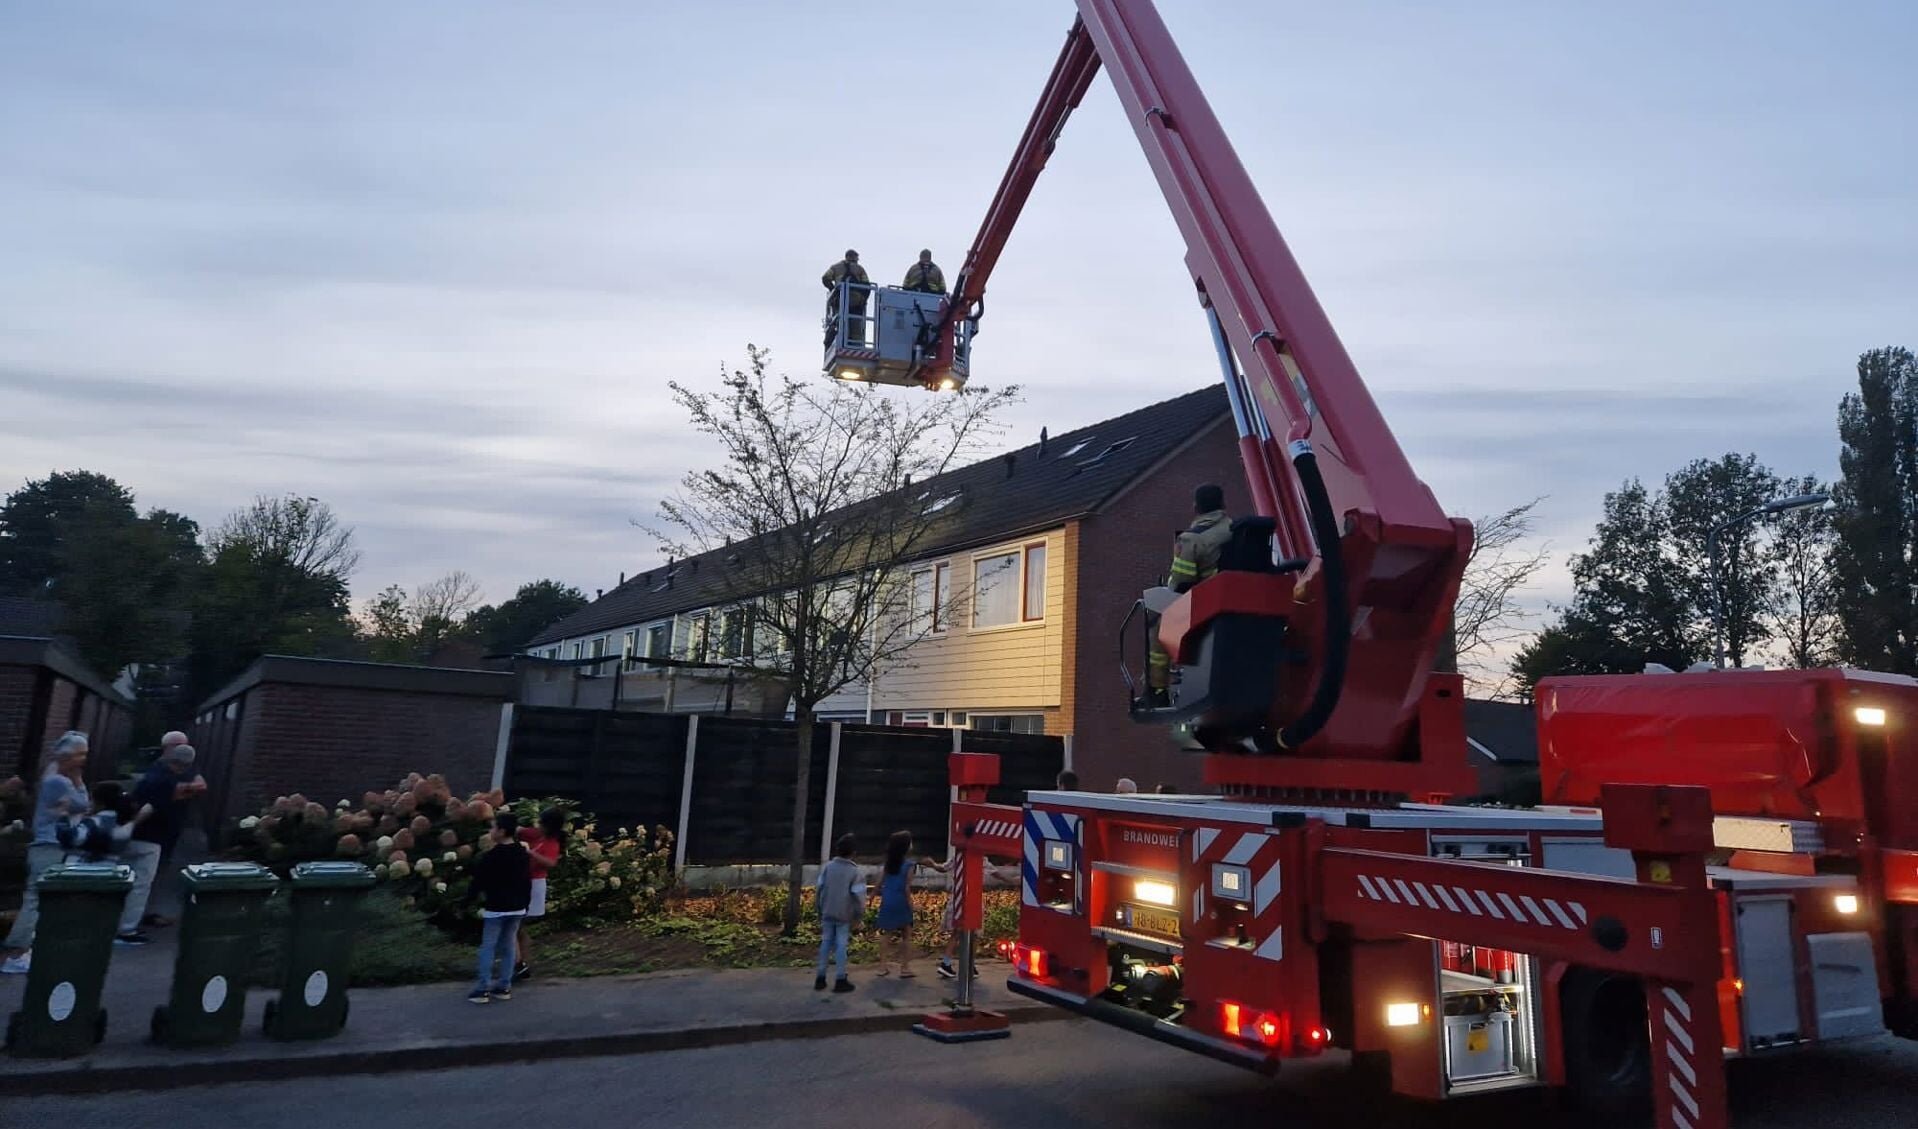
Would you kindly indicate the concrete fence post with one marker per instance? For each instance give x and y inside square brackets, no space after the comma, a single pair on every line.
[832,793]
[686,795]
[1066,742]
[500,747]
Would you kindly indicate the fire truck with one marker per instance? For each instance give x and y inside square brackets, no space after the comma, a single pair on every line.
[1726,863]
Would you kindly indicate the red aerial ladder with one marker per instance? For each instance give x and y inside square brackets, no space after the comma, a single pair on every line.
[1322,900]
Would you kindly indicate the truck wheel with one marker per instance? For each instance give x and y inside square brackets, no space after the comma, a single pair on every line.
[1608,1054]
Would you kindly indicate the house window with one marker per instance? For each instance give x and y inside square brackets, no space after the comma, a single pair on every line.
[735,633]
[1035,602]
[995,590]
[696,632]
[931,589]
[629,650]
[1009,723]
[599,647]
[573,651]
[659,640]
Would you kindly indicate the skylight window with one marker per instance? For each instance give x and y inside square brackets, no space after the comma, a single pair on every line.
[1074,449]
[1111,449]
[943,503]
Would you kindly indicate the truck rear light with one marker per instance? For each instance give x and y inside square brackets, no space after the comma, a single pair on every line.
[1231,1019]
[1317,1037]
[1029,960]
[1869,715]
[1269,1028]
[1400,1015]
[1005,950]
[1845,903]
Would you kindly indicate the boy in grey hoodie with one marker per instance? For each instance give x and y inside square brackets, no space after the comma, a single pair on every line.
[842,905]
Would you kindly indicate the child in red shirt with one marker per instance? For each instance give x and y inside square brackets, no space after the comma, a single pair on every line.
[544,844]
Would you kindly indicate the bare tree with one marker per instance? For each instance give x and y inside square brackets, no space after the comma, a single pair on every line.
[300,534]
[1803,602]
[440,606]
[1489,615]
[824,497]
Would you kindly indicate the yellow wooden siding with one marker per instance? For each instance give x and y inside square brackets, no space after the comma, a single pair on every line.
[1001,668]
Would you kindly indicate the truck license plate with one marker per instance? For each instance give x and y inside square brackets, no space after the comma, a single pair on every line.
[1158,921]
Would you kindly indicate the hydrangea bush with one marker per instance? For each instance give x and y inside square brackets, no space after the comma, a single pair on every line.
[421,840]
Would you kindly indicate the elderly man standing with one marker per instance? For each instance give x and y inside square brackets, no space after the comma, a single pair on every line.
[167,788]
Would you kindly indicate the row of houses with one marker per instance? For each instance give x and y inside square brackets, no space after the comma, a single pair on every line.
[1051,547]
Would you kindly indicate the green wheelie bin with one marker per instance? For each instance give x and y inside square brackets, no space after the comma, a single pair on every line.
[219,938]
[318,950]
[80,908]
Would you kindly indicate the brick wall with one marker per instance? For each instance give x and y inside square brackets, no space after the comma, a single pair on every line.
[25,740]
[1122,551]
[333,742]
[17,685]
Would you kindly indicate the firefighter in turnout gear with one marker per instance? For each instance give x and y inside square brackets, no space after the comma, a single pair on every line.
[1195,556]
[846,270]
[925,276]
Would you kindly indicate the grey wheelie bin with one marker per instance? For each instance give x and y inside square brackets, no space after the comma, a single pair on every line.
[319,950]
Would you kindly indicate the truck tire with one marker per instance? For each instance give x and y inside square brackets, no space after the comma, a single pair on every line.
[1607,1042]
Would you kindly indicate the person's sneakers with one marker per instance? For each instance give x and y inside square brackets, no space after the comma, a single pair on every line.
[134,938]
[522,972]
[479,996]
[947,970]
[842,985]
[818,983]
[502,993]
[18,966]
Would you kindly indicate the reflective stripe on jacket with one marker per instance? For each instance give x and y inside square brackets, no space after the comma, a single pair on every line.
[1196,554]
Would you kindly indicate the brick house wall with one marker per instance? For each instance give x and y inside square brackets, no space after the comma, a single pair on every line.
[332,730]
[44,692]
[1123,549]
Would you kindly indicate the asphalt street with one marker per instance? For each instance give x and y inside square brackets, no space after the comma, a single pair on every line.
[1065,1075]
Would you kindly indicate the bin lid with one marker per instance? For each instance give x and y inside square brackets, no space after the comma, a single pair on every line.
[87,877]
[332,875]
[216,876]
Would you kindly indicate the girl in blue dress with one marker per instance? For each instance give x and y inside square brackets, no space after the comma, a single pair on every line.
[895,906]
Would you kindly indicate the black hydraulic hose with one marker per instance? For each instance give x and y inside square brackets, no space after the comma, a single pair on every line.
[1338,617]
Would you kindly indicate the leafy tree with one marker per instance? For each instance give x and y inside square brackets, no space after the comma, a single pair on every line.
[127,584]
[1633,602]
[814,507]
[38,517]
[1802,610]
[508,626]
[1701,496]
[389,626]
[1488,615]
[276,582]
[1876,558]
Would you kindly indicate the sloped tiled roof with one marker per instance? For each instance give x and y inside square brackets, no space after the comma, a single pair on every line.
[1508,730]
[22,616]
[1079,471]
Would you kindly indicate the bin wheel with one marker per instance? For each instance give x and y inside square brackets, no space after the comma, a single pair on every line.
[158,1027]
[346,1005]
[1608,1053]
[13,1028]
[100,1026]
[272,1016]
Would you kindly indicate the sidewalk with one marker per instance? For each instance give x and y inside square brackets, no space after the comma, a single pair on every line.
[432,1026]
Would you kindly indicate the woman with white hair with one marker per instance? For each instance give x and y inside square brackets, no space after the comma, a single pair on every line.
[62,797]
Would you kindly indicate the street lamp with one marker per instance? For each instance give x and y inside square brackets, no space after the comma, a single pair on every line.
[1775,506]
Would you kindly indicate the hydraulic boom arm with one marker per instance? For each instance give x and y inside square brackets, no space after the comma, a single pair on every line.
[1401,557]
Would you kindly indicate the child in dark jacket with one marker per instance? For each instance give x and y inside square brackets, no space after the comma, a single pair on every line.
[503,884]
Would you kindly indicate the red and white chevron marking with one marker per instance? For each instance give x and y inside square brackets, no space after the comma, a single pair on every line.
[998,829]
[1679,1052]
[1259,853]
[1550,912]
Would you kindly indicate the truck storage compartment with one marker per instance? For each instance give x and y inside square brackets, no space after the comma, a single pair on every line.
[1767,743]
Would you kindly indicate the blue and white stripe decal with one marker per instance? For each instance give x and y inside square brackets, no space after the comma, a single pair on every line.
[1041,826]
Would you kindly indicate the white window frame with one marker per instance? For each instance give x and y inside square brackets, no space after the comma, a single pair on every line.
[629,650]
[666,651]
[941,608]
[978,717]
[1018,578]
